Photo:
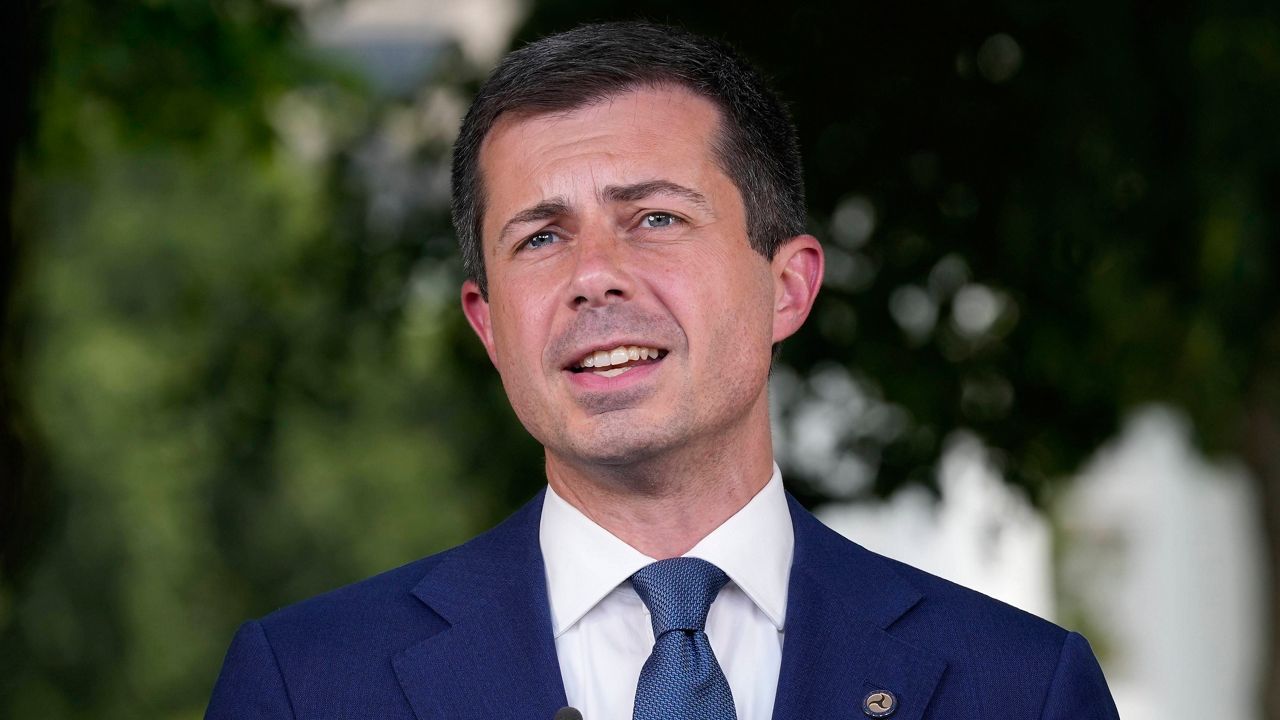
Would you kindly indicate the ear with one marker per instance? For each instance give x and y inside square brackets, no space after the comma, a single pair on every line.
[476,308]
[797,275]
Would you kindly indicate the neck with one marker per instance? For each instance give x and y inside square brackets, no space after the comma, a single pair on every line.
[662,506]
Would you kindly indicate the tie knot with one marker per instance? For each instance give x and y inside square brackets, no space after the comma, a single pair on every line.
[678,592]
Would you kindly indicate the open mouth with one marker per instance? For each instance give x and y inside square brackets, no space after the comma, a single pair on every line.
[612,363]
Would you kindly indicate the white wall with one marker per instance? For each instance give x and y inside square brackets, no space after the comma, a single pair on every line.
[1165,555]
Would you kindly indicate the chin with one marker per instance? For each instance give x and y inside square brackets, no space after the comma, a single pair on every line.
[620,446]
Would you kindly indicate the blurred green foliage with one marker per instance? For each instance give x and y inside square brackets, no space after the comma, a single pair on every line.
[243,392]
[244,380]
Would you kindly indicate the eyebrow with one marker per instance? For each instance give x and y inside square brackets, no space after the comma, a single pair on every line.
[558,206]
[649,188]
[545,210]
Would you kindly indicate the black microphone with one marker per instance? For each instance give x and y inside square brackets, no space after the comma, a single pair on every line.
[567,713]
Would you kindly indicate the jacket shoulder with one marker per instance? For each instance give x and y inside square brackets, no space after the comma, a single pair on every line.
[971,617]
[389,602]
[333,655]
[370,613]
[996,651]
[967,629]
[328,654]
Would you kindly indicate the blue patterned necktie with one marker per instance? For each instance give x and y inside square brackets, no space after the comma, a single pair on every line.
[681,680]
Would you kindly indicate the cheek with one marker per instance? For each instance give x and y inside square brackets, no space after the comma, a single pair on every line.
[731,313]
[748,294]
[516,333]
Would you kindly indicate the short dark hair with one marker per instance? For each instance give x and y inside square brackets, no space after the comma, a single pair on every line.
[756,146]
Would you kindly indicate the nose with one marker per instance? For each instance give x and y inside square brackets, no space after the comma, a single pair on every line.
[600,274]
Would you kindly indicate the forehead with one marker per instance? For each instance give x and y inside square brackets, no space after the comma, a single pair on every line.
[647,133]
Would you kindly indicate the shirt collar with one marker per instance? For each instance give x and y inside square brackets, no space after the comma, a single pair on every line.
[584,562]
[754,548]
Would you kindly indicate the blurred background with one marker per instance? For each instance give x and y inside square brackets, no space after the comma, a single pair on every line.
[1046,361]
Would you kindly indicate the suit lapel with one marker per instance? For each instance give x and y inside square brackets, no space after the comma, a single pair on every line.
[497,658]
[837,649]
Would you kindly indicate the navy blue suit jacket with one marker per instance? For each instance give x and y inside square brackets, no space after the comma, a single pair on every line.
[466,635]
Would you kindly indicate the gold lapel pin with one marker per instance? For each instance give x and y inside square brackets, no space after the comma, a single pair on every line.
[879,704]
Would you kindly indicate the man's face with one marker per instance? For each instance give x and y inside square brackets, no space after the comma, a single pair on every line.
[627,313]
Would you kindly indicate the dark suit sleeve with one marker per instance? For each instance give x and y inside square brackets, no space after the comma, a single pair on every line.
[250,686]
[1079,691]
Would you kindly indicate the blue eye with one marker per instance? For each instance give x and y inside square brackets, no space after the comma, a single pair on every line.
[659,220]
[537,240]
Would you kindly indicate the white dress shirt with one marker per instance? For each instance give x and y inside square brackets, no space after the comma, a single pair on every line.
[602,630]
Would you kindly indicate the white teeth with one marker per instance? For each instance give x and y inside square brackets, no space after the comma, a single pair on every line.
[618,356]
[612,372]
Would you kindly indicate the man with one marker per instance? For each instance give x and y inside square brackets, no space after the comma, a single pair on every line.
[629,204]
